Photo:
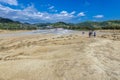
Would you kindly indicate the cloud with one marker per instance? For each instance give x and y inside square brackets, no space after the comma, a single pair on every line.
[51,7]
[10,2]
[73,12]
[81,14]
[32,15]
[98,16]
[64,14]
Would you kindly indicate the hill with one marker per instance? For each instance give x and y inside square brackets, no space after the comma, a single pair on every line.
[87,25]
[9,24]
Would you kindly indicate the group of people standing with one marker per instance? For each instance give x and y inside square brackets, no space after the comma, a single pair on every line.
[90,33]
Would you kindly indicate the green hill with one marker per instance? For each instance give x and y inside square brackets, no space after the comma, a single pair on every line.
[88,25]
[9,24]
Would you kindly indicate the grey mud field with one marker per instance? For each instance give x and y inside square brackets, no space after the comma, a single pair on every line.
[59,55]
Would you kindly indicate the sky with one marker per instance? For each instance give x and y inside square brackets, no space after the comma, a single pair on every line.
[71,11]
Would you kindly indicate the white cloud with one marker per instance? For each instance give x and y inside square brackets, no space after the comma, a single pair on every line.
[64,13]
[73,12]
[81,14]
[51,7]
[10,2]
[98,16]
[31,14]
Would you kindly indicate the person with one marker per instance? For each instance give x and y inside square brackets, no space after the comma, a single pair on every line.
[94,34]
[90,33]
[83,33]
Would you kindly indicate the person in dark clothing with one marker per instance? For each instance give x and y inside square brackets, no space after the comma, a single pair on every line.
[94,34]
[83,33]
[90,33]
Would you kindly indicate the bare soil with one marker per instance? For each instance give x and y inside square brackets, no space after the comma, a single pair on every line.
[65,57]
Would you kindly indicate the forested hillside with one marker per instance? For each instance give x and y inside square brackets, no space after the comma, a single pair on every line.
[9,24]
[88,25]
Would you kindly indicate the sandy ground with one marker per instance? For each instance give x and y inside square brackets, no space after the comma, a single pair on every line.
[11,31]
[64,57]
